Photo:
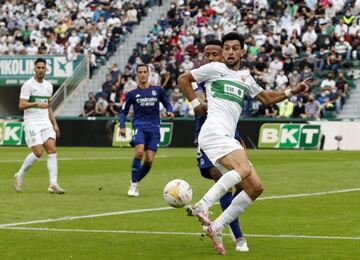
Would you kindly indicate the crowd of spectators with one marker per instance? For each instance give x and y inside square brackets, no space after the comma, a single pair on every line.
[285,42]
[72,27]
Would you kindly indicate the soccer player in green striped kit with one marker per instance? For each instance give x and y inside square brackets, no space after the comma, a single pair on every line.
[40,126]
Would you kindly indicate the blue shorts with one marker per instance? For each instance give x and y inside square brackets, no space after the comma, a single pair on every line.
[149,138]
[204,164]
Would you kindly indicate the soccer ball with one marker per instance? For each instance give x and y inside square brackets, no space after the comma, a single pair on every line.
[177,193]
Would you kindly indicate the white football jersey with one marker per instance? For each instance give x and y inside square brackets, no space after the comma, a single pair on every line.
[33,91]
[225,92]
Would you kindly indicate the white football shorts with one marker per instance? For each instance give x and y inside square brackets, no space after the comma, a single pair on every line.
[36,134]
[217,145]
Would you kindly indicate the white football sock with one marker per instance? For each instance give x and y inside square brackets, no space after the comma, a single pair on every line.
[52,167]
[237,206]
[218,190]
[29,160]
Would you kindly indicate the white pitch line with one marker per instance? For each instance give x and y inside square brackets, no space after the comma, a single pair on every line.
[83,159]
[85,216]
[162,208]
[308,194]
[174,233]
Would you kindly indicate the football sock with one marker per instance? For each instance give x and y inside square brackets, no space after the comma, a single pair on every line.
[144,171]
[29,160]
[52,168]
[218,190]
[225,202]
[136,163]
[237,206]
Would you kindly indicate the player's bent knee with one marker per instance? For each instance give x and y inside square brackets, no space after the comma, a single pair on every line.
[245,172]
[37,153]
[258,190]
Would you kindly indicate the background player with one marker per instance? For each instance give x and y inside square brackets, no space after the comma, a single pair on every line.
[145,124]
[227,86]
[212,52]
[40,127]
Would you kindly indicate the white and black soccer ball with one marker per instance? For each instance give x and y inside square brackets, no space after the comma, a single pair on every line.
[178,193]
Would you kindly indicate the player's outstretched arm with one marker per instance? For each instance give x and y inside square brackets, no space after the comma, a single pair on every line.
[184,81]
[269,97]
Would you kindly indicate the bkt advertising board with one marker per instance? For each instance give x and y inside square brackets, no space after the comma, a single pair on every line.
[289,136]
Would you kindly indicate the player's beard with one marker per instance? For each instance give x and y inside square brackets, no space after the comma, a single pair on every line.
[232,63]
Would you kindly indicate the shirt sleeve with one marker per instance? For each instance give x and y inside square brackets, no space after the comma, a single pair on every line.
[25,91]
[165,101]
[254,88]
[125,110]
[204,72]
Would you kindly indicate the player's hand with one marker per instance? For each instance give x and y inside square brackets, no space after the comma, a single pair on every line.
[42,105]
[302,87]
[170,115]
[200,109]
[122,132]
[57,131]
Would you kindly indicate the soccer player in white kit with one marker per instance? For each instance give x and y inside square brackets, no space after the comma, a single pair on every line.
[40,126]
[226,85]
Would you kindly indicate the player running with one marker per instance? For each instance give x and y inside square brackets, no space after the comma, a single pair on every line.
[212,52]
[145,124]
[226,86]
[40,127]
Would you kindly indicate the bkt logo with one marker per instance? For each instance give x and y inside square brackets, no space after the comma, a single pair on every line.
[11,133]
[289,136]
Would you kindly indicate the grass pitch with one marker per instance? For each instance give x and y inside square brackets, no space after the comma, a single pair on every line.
[106,225]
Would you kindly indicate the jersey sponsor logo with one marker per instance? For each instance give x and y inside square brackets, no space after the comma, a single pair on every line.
[42,99]
[147,102]
[223,74]
[138,95]
[289,136]
[166,130]
[229,90]
[11,133]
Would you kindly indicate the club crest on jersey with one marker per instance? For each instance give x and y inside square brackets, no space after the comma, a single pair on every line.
[153,93]
[242,79]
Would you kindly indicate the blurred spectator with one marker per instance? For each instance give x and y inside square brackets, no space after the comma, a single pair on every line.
[271,111]
[286,109]
[89,105]
[101,106]
[112,109]
[299,108]
[328,84]
[106,86]
[342,86]
[312,108]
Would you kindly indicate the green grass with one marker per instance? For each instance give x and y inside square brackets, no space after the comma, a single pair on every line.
[97,182]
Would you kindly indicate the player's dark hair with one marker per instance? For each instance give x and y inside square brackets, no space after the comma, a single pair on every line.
[142,65]
[231,36]
[39,60]
[213,42]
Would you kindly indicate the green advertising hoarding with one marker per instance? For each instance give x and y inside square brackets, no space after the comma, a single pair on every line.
[11,133]
[166,130]
[15,70]
[289,136]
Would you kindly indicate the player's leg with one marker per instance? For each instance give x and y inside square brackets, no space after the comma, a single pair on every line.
[138,140]
[34,141]
[239,168]
[252,189]
[145,168]
[49,138]
[152,140]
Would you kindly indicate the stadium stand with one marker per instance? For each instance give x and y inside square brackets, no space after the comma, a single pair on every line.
[286,41]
